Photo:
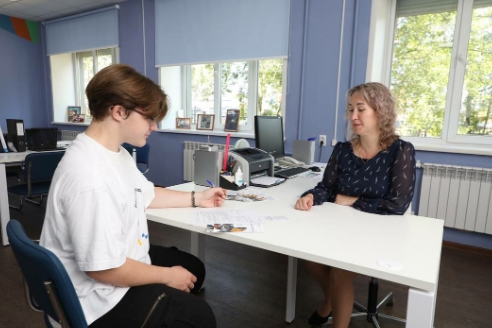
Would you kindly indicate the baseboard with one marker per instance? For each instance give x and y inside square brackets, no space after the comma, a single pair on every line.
[469,248]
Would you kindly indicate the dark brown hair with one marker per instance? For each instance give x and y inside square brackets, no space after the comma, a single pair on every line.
[122,85]
[379,97]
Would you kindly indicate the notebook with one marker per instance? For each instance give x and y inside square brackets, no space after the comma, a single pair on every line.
[42,139]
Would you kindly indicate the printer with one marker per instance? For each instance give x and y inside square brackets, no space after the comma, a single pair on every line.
[254,162]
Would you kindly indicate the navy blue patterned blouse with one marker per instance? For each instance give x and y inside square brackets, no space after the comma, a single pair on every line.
[384,184]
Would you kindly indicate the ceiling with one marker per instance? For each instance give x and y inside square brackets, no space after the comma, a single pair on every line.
[41,10]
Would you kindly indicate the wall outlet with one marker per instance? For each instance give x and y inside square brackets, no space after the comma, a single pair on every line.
[322,138]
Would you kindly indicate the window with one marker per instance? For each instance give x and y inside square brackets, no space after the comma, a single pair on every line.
[441,70]
[88,63]
[71,72]
[253,87]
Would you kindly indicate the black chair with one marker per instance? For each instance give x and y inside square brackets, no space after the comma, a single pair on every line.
[141,156]
[39,169]
[48,287]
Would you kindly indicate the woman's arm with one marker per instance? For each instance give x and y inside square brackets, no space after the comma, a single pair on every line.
[402,175]
[326,190]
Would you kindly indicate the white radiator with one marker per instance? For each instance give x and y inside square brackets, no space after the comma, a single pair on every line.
[188,157]
[68,135]
[460,196]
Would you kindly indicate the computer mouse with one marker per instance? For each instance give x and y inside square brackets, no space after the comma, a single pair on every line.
[315,169]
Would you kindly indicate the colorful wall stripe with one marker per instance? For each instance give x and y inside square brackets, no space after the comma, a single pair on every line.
[20,27]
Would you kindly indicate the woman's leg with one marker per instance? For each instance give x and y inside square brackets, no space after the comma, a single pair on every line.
[341,287]
[322,275]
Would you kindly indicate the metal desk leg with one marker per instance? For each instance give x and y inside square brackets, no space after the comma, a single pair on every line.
[4,205]
[420,309]
[290,311]
[198,245]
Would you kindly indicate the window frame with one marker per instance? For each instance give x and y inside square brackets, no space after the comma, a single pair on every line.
[382,34]
[75,85]
[253,73]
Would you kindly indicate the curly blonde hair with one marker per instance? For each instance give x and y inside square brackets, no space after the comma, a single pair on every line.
[379,97]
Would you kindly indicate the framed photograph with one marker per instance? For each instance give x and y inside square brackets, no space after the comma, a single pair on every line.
[74,114]
[205,122]
[183,123]
[232,120]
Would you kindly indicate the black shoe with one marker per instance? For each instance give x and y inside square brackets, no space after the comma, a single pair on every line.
[316,319]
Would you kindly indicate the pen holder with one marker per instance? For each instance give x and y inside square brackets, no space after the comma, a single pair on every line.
[226,184]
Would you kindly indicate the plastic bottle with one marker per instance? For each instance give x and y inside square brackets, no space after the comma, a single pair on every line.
[239,177]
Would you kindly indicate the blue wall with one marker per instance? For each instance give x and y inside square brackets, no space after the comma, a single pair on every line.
[22,95]
[311,88]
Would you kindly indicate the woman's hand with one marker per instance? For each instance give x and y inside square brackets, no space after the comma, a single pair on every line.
[305,203]
[345,200]
[213,197]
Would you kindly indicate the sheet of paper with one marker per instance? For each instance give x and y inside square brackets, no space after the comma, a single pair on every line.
[250,194]
[248,219]
[275,218]
[267,181]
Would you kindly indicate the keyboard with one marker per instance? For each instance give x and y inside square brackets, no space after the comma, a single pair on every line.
[290,172]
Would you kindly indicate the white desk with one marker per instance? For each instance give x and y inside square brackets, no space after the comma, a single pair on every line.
[7,158]
[338,236]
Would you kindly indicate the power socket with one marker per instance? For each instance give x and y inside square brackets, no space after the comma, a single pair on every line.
[322,139]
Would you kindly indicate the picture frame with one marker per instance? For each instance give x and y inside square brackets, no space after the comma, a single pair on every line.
[183,123]
[232,120]
[205,122]
[75,114]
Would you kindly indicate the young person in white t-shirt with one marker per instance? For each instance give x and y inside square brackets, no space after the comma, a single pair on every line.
[95,217]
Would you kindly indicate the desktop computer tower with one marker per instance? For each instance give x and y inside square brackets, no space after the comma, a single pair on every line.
[15,129]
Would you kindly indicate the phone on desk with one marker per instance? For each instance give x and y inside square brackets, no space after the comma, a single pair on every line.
[288,161]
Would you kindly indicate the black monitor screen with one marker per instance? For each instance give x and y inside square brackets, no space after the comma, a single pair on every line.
[269,135]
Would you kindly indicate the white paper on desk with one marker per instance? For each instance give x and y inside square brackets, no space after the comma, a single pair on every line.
[202,217]
[266,180]
[250,194]
[275,218]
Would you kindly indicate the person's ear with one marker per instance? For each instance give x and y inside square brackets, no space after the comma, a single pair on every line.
[118,113]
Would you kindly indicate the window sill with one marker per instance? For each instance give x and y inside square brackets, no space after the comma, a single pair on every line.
[70,123]
[442,147]
[239,134]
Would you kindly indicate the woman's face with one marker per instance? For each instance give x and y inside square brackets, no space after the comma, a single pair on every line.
[362,116]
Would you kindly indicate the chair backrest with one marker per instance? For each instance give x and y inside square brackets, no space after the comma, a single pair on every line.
[39,267]
[143,154]
[41,166]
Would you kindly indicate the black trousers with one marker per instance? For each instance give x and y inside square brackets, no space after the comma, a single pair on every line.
[169,307]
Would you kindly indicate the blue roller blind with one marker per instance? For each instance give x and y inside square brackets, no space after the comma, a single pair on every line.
[91,30]
[201,31]
[406,8]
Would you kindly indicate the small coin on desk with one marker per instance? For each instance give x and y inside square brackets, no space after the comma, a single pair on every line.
[390,264]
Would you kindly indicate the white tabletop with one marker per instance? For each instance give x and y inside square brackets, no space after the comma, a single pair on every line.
[13,157]
[335,235]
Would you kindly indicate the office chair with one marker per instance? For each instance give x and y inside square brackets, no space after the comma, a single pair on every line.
[48,287]
[39,169]
[141,156]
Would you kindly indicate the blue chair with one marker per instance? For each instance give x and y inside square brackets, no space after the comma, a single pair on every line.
[39,169]
[142,156]
[48,286]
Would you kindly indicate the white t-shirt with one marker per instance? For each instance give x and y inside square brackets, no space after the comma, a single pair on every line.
[95,219]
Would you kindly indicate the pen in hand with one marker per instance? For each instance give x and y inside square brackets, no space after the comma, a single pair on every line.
[210,183]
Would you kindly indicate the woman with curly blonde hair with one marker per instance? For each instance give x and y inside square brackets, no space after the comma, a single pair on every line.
[373,172]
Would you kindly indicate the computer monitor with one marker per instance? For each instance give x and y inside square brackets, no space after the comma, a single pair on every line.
[269,135]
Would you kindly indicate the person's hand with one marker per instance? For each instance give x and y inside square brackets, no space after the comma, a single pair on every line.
[213,197]
[305,203]
[179,278]
[345,200]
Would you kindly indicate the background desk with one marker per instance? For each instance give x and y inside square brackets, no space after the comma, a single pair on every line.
[7,158]
[338,236]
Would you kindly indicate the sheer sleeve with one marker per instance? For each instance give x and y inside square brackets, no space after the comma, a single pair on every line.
[326,190]
[401,191]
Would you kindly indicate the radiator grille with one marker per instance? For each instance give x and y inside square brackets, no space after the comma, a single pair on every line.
[188,157]
[67,135]
[460,196]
